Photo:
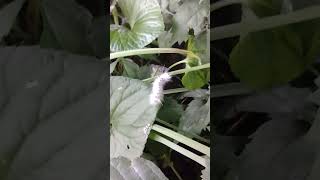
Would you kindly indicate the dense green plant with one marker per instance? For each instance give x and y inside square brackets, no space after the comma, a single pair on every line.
[142,34]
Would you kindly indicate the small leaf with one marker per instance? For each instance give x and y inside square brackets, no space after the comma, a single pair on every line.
[196,116]
[144,24]
[194,80]
[131,69]
[113,65]
[170,111]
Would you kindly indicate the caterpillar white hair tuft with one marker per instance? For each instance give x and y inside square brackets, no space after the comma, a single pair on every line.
[156,95]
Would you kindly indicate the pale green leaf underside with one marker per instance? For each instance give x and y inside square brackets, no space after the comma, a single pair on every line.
[196,117]
[138,169]
[131,116]
[145,25]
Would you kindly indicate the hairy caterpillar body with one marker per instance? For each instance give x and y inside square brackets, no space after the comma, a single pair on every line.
[156,95]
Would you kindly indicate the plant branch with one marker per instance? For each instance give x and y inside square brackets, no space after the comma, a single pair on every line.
[179,149]
[183,139]
[177,90]
[188,134]
[270,22]
[150,51]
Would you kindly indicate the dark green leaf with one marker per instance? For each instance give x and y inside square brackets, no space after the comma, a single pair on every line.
[52,104]
[8,16]
[268,58]
[69,23]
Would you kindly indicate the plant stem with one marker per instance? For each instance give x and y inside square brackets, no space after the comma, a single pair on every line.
[183,139]
[188,134]
[177,63]
[115,16]
[179,149]
[265,23]
[181,71]
[175,171]
[177,90]
[149,51]
[221,4]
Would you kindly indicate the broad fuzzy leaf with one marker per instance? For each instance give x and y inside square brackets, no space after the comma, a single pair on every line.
[131,116]
[51,105]
[145,23]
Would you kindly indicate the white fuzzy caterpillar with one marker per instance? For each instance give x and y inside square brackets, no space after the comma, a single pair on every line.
[156,95]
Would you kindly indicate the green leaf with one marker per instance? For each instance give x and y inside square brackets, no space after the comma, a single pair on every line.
[144,23]
[69,23]
[308,32]
[113,65]
[8,16]
[52,104]
[268,58]
[190,15]
[199,46]
[131,116]
[170,111]
[130,68]
[194,80]
[196,116]
[138,169]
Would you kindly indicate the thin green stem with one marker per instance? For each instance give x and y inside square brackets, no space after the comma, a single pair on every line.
[150,51]
[115,16]
[177,63]
[224,3]
[177,90]
[270,22]
[175,171]
[188,134]
[181,71]
[183,139]
[179,149]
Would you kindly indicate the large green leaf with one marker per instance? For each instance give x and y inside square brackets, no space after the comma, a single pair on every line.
[259,58]
[131,116]
[8,16]
[143,24]
[267,58]
[53,112]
